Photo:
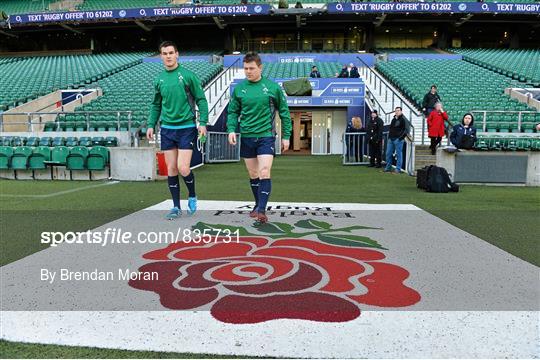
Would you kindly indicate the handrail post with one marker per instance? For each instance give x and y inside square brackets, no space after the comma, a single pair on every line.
[423,129]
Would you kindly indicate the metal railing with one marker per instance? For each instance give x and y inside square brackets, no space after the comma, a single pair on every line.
[356,150]
[500,112]
[397,99]
[36,119]
[218,149]
[227,75]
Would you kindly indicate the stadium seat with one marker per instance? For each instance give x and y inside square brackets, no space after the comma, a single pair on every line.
[111,141]
[76,160]
[32,141]
[98,158]
[40,155]
[59,141]
[59,155]
[5,141]
[72,141]
[6,153]
[98,140]
[17,141]
[85,141]
[45,141]
[19,160]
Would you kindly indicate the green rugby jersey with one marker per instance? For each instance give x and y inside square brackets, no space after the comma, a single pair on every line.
[173,103]
[254,105]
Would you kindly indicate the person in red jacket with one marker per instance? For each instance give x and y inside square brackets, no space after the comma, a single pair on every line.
[435,123]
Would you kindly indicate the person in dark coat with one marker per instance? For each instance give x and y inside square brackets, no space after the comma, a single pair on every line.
[344,72]
[353,71]
[430,99]
[315,72]
[464,135]
[398,130]
[374,134]
[436,129]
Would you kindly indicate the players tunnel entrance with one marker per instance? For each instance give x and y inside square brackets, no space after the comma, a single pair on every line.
[316,132]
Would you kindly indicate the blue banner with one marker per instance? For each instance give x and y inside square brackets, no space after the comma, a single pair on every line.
[307,58]
[326,101]
[141,13]
[435,7]
[333,86]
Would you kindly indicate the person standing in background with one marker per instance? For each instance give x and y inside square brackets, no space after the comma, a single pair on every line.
[436,128]
[430,99]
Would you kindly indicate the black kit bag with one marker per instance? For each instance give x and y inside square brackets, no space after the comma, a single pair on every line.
[439,181]
[422,177]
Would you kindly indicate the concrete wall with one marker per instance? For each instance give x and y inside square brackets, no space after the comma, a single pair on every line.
[133,164]
[530,162]
[44,104]
[513,93]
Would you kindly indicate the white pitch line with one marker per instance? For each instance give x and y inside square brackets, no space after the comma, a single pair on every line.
[59,192]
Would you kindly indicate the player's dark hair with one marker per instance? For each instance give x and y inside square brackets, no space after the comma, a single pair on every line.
[166,44]
[398,107]
[253,56]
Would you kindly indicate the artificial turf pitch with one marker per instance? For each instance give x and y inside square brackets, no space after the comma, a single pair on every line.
[503,216]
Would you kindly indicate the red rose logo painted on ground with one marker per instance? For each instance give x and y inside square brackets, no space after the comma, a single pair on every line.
[278,276]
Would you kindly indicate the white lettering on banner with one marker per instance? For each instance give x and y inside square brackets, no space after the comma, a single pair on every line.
[381,7]
[53,17]
[182,11]
[528,7]
[205,10]
[161,12]
[440,7]
[74,16]
[359,7]
[505,7]
[407,6]
[34,17]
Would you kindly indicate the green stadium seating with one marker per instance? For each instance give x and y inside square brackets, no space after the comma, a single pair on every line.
[76,160]
[59,154]
[72,141]
[98,158]
[17,141]
[462,86]
[58,141]
[45,141]
[126,4]
[19,160]
[6,153]
[39,155]
[111,141]
[297,70]
[132,90]
[85,141]
[24,80]
[519,64]
[407,50]
[32,141]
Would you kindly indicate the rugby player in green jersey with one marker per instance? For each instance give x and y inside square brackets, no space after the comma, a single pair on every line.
[253,105]
[177,90]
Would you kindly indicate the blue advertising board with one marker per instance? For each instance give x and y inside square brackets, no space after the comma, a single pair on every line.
[435,7]
[141,13]
[304,58]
